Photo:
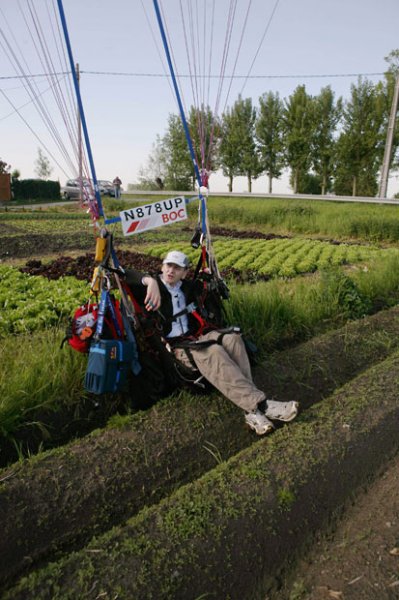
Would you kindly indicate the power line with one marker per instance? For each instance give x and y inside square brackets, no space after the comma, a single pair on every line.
[235,76]
[260,45]
[163,75]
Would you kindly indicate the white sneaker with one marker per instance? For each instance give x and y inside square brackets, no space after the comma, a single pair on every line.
[281,411]
[258,422]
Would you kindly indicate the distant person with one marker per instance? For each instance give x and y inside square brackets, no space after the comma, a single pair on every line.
[117,186]
[159,183]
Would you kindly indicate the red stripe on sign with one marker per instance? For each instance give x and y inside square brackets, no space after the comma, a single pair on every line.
[144,223]
[133,227]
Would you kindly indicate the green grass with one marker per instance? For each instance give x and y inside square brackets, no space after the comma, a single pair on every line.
[277,313]
[36,374]
[343,220]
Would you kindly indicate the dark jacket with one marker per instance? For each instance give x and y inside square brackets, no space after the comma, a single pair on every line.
[192,290]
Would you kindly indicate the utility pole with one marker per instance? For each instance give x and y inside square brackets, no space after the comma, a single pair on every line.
[80,153]
[388,144]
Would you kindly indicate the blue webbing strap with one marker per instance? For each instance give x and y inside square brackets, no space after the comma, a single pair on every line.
[183,116]
[176,88]
[80,106]
[102,307]
[105,302]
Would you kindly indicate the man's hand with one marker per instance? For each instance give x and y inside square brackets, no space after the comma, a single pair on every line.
[152,300]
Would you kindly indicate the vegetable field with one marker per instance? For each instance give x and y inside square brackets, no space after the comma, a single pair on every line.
[280,257]
[31,303]
[133,496]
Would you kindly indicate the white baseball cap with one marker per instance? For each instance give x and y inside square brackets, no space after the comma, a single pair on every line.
[177,258]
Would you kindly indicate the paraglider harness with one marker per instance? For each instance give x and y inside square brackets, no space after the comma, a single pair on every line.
[121,337]
[206,311]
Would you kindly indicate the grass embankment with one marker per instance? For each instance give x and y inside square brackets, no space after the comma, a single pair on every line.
[42,400]
[272,497]
[369,222]
[90,485]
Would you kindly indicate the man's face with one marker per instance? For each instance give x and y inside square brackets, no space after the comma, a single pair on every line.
[172,273]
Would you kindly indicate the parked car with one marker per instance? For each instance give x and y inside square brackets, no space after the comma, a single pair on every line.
[71,190]
[109,188]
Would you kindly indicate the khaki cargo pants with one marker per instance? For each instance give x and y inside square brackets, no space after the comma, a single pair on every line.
[226,366]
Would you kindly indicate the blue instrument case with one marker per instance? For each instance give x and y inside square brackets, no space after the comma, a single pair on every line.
[108,365]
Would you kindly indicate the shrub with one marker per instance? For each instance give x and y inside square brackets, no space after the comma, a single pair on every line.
[36,189]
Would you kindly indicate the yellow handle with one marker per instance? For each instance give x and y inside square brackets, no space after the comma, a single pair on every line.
[96,281]
[101,245]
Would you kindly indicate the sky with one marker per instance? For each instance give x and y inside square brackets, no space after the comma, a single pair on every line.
[127,97]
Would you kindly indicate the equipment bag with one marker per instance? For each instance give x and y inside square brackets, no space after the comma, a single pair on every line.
[111,360]
[108,365]
[82,327]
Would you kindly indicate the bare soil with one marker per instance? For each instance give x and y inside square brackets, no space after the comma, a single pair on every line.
[13,244]
[360,559]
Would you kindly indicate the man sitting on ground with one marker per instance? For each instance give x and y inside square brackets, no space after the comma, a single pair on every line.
[219,356]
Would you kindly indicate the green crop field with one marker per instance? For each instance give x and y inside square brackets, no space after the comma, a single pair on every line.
[279,257]
[30,303]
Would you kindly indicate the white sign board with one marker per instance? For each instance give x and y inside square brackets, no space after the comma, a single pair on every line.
[157,214]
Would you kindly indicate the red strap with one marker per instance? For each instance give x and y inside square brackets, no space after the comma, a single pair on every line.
[137,308]
[203,256]
[203,324]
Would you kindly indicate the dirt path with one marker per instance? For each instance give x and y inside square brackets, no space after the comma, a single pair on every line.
[360,561]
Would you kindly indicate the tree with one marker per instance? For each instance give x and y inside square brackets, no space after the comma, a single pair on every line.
[238,151]
[43,168]
[249,164]
[269,135]
[179,170]
[309,183]
[360,145]
[229,147]
[326,117]
[298,132]
[4,167]
[391,77]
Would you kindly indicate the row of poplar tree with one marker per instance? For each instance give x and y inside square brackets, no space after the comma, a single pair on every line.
[328,144]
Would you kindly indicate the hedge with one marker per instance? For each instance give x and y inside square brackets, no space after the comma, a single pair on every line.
[36,189]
